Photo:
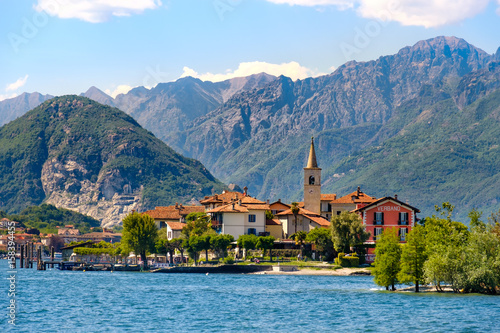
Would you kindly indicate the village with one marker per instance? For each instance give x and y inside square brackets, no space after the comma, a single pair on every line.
[237,214]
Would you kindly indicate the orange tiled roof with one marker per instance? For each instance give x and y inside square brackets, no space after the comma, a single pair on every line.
[225,197]
[355,197]
[176,225]
[257,207]
[273,222]
[319,220]
[173,213]
[250,200]
[328,196]
[229,209]
[302,211]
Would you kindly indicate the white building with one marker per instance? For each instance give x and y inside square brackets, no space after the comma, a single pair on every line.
[243,217]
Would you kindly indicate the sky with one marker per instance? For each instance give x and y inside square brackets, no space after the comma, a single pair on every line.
[63,47]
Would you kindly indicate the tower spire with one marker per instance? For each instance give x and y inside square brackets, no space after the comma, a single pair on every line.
[311,163]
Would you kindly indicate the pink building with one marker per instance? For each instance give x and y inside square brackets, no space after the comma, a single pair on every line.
[386,213]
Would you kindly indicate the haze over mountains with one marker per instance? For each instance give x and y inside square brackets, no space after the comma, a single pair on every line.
[422,123]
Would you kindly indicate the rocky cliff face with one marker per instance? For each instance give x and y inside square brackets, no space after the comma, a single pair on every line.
[108,200]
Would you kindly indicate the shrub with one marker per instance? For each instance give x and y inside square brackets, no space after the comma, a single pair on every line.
[228,261]
[349,261]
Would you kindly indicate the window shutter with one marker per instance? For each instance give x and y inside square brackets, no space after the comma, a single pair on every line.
[382,218]
[374,217]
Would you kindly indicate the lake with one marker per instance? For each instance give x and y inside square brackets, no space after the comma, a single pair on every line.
[66,301]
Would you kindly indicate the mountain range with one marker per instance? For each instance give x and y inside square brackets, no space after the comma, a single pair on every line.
[421,123]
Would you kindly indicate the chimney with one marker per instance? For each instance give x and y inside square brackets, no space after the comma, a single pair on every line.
[233,205]
[359,191]
[267,201]
[176,204]
[245,190]
[279,200]
[396,196]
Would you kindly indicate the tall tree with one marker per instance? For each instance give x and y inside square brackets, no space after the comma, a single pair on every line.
[295,210]
[194,245]
[206,243]
[266,243]
[413,258]
[299,237]
[220,243]
[322,239]
[178,244]
[387,259]
[248,242]
[139,234]
[347,230]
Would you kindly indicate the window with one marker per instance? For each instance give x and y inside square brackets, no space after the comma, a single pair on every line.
[402,234]
[169,235]
[251,218]
[378,232]
[311,180]
[162,224]
[403,219]
[378,219]
[338,212]
[252,231]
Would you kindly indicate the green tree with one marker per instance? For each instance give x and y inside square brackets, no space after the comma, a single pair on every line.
[196,224]
[322,239]
[413,258]
[194,245]
[248,242]
[299,237]
[347,230]
[387,259]
[266,243]
[295,211]
[178,243]
[475,220]
[139,234]
[219,243]
[206,243]
[269,215]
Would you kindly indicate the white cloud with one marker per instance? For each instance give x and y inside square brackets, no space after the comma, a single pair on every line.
[420,12]
[342,4]
[4,97]
[95,11]
[407,12]
[291,69]
[18,84]
[121,89]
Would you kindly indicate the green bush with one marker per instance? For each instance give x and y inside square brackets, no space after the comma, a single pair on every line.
[228,260]
[349,261]
[286,253]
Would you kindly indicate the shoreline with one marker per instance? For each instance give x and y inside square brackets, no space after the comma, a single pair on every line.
[346,271]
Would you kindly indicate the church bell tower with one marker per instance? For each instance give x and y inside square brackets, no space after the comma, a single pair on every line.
[312,183]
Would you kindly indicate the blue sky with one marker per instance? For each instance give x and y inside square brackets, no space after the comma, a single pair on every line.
[65,46]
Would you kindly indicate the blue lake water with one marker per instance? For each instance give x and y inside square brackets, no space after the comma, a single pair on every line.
[65,301]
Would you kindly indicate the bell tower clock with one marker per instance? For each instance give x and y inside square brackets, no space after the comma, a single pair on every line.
[312,183]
